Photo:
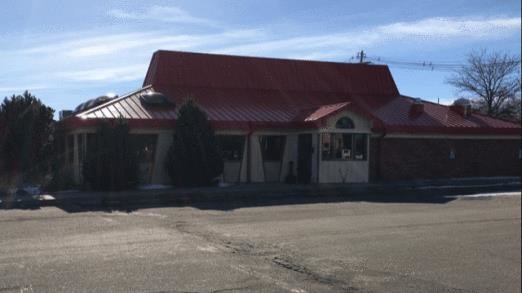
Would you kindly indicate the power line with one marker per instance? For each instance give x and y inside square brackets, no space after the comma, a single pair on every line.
[416,65]
[425,65]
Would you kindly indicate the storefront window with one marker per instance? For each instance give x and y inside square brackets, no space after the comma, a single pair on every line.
[359,146]
[344,146]
[231,146]
[70,149]
[145,146]
[81,148]
[272,147]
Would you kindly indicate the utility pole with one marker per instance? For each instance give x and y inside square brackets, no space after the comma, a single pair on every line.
[361,55]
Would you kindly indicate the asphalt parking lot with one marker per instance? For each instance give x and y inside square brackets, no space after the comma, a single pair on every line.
[469,244]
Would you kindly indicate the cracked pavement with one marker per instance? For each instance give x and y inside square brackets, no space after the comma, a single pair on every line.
[462,245]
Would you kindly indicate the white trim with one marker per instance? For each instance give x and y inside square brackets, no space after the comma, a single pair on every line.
[83,130]
[280,131]
[150,131]
[230,132]
[338,130]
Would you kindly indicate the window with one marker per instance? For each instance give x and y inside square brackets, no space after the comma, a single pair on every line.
[359,146]
[90,144]
[272,147]
[344,146]
[81,148]
[231,146]
[70,149]
[145,146]
[344,123]
[452,154]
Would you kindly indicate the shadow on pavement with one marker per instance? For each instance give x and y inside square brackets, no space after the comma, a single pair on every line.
[11,202]
[235,200]
[229,204]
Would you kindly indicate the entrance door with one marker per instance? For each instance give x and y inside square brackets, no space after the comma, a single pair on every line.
[304,158]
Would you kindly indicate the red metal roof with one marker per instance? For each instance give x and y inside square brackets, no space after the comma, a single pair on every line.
[394,113]
[247,92]
[184,69]
[325,111]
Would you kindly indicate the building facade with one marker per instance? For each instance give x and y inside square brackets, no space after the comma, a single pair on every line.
[323,122]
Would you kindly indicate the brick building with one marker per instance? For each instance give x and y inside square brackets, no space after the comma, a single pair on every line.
[337,122]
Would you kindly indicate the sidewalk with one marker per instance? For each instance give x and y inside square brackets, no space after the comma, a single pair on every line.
[267,191]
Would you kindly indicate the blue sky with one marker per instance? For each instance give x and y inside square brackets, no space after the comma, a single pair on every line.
[66,52]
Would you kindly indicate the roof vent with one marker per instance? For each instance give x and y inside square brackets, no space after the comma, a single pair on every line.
[94,102]
[462,106]
[417,108]
[64,114]
[155,99]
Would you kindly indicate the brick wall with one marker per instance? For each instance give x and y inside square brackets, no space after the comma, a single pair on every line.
[423,158]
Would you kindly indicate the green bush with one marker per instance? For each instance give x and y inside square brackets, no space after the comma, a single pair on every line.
[25,128]
[194,158]
[59,179]
[111,162]
[60,176]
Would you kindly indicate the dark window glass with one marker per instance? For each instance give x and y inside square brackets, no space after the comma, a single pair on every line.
[359,146]
[91,144]
[70,149]
[272,147]
[343,146]
[145,146]
[91,141]
[231,146]
[344,123]
[81,148]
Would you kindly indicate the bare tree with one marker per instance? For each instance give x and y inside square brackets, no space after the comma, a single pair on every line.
[493,82]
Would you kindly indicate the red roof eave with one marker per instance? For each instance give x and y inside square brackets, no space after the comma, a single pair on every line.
[76,122]
[453,130]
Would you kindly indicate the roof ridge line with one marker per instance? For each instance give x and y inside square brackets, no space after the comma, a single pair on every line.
[159,51]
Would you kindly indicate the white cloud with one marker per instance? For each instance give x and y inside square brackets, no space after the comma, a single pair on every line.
[114,74]
[436,32]
[114,44]
[20,89]
[100,57]
[162,14]
[448,28]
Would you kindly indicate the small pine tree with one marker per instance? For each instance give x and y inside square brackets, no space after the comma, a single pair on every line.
[111,161]
[194,158]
